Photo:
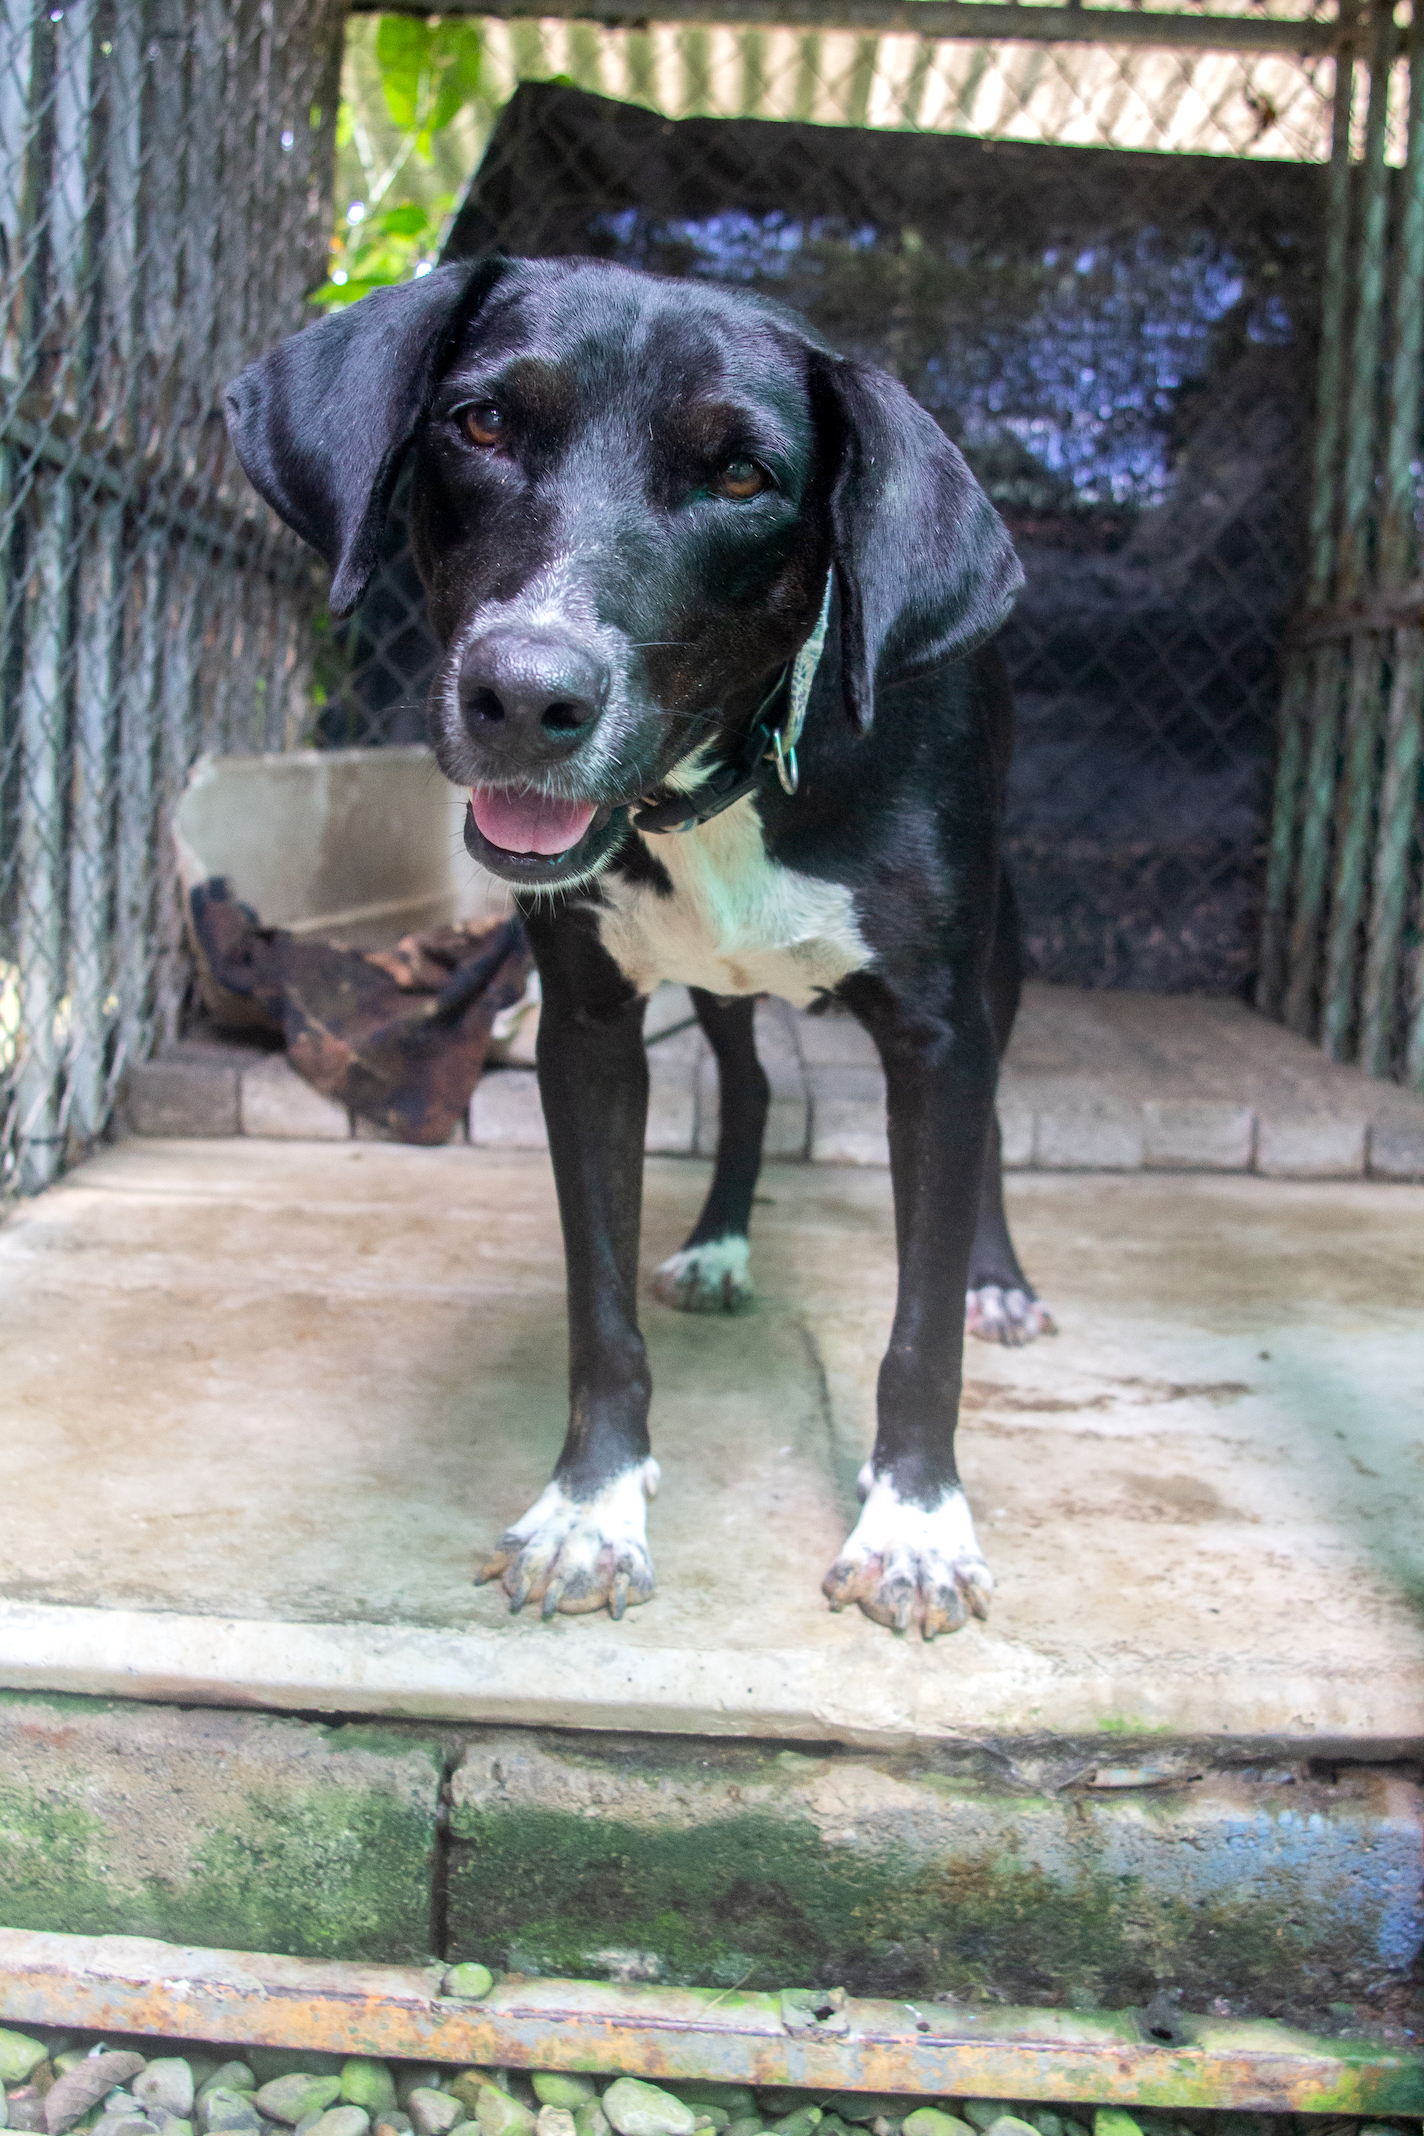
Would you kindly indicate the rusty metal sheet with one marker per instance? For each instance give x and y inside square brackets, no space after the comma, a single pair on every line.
[123,1984]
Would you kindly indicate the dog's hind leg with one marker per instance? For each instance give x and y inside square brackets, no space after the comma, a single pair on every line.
[709,1273]
[1001,1304]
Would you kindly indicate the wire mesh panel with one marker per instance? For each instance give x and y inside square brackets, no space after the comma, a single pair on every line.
[164,207]
[1123,346]
[1343,941]
[1093,94]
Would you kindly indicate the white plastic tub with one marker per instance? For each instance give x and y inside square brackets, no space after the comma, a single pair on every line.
[361,845]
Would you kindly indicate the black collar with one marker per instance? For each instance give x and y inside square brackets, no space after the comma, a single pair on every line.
[768,740]
[723,783]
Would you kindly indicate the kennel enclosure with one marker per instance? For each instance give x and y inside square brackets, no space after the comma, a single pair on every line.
[1159,270]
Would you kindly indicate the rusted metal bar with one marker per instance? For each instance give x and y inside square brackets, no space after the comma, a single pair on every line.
[1396,535]
[1383,984]
[1398,813]
[979,21]
[1312,688]
[40,841]
[122,1984]
[1285,812]
[1313,866]
[1357,490]
[1378,611]
[1414,1050]
[1333,306]
[96,686]
[1364,700]
[1357,564]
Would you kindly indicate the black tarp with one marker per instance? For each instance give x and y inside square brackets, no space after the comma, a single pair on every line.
[1123,345]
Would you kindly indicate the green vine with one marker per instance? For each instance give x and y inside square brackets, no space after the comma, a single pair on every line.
[408,131]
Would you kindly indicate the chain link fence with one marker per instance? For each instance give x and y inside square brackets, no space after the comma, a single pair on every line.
[1097,255]
[164,208]
[1343,936]
[1123,345]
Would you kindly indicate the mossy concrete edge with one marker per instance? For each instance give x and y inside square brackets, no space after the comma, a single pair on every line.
[238,1830]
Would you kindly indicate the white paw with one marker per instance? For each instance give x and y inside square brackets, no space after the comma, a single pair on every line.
[1007,1316]
[575,1554]
[714,1278]
[907,1564]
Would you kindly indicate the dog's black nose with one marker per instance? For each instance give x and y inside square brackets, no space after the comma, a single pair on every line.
[519,687]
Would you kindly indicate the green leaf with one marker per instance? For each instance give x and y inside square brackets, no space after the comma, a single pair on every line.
[332,295]
[408,220]
[403,56]
[456,53]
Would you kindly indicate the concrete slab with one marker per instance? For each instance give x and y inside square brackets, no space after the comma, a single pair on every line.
[262,1405]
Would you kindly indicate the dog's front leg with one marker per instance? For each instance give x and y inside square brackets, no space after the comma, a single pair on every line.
[583,1542]
[912,1556]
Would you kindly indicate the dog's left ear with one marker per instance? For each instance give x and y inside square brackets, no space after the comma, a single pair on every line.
[923,564]
[321,423]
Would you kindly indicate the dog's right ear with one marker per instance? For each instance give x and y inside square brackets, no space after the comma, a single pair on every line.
[321,424]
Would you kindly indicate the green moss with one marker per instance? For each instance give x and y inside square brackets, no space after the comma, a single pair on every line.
[331,1872]
[52,1867]
[383,1739]
[766,1902]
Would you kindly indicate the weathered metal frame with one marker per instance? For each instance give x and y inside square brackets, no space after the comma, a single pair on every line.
[979,21]
[1348,816]
[120,1984]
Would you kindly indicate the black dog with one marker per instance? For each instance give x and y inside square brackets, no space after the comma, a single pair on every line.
[660,526]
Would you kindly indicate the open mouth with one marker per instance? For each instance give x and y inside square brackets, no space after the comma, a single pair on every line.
[533,838]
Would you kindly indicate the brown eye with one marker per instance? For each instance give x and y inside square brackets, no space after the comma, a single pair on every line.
[484,425]
[741,478]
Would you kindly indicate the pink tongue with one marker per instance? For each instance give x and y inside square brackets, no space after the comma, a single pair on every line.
[529,823]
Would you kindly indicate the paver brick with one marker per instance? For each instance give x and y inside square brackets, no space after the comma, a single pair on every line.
[505,1113]
[189,1090]
[1101,1137]
[1016,1130]
[277,1103]
[1397,1149]
[786,1116]
[848,1116]
[1197,1134]
[672,1095]
[1314,1145]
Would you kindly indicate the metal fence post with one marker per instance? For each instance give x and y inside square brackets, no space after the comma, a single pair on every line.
[1383,1008]
[1357,572]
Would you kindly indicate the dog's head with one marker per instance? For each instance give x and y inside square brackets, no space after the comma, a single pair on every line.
[627,495]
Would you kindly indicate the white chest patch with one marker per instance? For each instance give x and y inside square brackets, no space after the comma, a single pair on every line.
[736,923]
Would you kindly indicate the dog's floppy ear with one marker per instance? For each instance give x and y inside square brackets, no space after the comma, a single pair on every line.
[321,424]
[923,564]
